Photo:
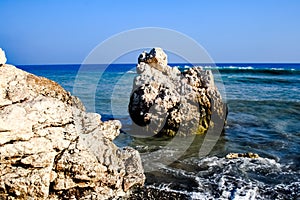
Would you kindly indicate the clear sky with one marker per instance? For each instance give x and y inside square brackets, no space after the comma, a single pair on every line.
[48,32]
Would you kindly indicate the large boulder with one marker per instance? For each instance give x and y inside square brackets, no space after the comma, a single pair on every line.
[166,101]
[50,148]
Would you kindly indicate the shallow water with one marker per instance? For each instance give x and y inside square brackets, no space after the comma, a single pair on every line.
[264,115]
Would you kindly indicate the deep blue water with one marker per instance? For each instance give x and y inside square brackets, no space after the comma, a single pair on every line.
[264,115]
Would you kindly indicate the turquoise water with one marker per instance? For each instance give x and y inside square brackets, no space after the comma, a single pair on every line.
[264,115]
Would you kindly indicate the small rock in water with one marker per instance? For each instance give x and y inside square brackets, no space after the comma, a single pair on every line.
[242,155]
[2,57]
[152,194]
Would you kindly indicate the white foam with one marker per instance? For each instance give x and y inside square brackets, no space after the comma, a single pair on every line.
[277,68]
[223,178]
[131,72]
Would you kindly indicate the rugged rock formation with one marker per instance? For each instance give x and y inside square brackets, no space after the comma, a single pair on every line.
[2,57]
[166,101]
[50,148]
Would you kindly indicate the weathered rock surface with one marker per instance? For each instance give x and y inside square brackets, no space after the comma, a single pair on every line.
[2,57]
[50,148]
[166,101]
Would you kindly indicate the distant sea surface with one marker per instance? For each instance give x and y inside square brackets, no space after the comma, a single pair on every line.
[263,118]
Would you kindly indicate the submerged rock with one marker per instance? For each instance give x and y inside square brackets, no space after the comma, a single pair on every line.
[2,57]
[153,194]
[166,101]
[50,148]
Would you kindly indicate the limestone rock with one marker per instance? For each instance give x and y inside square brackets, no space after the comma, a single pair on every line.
[50,148]
[156,58]
[2,57]
[165,101]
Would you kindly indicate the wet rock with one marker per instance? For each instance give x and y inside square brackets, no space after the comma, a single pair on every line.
[50,148]
[242,155]
[165,101]
[153,193]
[2,57]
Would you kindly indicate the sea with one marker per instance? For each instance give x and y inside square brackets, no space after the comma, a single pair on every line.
[263,117]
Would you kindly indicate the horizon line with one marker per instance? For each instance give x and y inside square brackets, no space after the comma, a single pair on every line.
[172,63]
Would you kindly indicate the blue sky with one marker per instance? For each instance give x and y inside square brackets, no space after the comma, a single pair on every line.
[48,32]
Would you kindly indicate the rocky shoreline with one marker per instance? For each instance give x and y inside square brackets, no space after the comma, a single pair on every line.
[51,148]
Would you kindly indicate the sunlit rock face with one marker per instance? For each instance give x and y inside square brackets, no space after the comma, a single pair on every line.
[50,148]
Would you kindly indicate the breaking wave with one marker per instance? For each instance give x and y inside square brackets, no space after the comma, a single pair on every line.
[221,178]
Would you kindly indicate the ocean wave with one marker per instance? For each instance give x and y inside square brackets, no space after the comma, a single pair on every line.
[258,79]
[233,67]
[257,69]
[267,101]
[252,70]
[131,72]
[249,69]
[221,178]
